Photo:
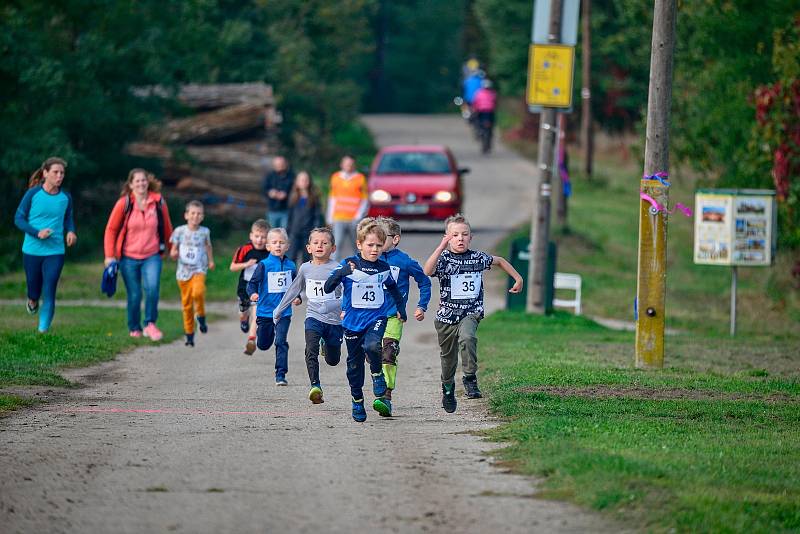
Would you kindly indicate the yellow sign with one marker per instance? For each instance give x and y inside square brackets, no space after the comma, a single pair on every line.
[550,69]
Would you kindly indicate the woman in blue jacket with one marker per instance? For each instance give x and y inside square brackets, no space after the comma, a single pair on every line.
[45,215]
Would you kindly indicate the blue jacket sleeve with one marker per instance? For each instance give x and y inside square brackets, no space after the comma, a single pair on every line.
[423,282]
[23,210]
[336,276]
[254,284]
[394,291]
[69,221]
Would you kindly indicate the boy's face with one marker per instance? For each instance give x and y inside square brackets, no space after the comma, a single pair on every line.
[320,246]
[277,244]
[194,216]
[461,236]
[391,242]
[370,248]
[258,238]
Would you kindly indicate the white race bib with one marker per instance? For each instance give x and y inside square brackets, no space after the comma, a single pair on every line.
[465,286]
[395,272]
[248,272]
[278,282]
[315,291]
[367,295]
[189,254]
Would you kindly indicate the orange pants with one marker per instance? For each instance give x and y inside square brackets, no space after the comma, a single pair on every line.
[193,298]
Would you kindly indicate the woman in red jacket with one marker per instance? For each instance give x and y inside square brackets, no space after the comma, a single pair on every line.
[136,235]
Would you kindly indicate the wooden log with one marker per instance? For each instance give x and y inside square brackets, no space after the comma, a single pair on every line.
[209,127]
[198,186]
[213,96]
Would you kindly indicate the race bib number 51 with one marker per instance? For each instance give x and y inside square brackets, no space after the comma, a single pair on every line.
[367,296]
[278,282]
[465,286]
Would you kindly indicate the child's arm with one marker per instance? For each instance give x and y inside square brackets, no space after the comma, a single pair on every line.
[430,264]
[210,254]
[237,266]
[295,288]
[254,285]
[336,276]
[424,285]
[512,272]
[173,251]
[394,291]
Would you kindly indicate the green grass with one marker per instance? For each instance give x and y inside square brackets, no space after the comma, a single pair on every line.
[709,444]
[79,336]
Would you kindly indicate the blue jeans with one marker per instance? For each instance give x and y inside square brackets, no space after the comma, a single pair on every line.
[141,274]
[269,331]
[332,335]
[362,345]
[42,274]
[278,219]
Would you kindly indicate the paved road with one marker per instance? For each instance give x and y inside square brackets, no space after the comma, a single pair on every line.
[201,440]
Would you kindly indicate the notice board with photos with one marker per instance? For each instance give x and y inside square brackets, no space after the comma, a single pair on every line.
[735,227]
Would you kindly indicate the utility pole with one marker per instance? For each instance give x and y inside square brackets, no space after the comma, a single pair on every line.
[652,268]
[563,200]
[540,223]
[587,135]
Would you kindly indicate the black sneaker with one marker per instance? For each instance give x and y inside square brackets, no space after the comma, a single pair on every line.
[189,340]
[449,397]
[471,387]
[201,320]
[244,326]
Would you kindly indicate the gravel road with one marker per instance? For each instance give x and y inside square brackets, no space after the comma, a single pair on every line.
[201,440]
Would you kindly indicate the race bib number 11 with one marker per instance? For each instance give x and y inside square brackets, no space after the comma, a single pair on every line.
[315,290]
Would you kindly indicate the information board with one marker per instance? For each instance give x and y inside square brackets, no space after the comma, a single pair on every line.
[550,68]
[734,227]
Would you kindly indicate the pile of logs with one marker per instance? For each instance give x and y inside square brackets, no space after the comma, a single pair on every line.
[221,152]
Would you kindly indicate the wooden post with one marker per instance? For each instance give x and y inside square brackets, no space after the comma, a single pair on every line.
[563,201]
[540,223]
[587,133]
[652,269]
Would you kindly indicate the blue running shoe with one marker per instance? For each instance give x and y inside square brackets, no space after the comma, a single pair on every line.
[359,413]
[378,384]
[383,406]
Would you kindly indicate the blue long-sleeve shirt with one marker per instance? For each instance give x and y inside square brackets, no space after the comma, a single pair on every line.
[271,279]
[404,267]
[38,210]
[363,299]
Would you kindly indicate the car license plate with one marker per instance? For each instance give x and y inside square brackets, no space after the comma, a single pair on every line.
[411,209]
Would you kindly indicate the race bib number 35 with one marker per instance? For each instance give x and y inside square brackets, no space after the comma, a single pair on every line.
[465,286]
[315,290]
[367,296]
[278,282]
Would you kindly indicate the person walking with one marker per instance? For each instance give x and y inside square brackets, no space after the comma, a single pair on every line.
[136,236]
[347,204]
[277,184]
[304,215]
[45,215]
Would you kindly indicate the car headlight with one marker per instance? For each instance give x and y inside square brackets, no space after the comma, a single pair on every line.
[444,196]
[380,196]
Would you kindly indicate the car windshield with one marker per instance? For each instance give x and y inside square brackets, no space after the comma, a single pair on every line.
[414,163]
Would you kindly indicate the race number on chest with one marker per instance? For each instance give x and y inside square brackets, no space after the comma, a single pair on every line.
[367,295]
[189,254]
[465,286]
[278,282]
[315,290]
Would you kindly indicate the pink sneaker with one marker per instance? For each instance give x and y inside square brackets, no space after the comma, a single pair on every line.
[136,333]
[153,332]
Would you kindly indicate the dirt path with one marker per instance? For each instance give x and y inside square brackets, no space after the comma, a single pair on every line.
[173,439]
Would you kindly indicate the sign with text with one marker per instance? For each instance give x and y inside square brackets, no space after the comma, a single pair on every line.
[550,68]
[734,227]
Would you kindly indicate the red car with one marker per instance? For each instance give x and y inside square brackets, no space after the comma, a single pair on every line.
[419,182]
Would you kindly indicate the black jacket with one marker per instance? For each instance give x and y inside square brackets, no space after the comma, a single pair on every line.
[282,182]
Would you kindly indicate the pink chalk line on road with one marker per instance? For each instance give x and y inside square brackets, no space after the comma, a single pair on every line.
[183,411]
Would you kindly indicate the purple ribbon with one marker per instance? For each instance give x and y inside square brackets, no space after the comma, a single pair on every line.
[658,207]
[660,176]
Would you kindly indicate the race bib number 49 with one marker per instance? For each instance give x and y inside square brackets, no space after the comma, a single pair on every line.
[465,286]
[189,254]
[278,282]
[315,290]
[367,295]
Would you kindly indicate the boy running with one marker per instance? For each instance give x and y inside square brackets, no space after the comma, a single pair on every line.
[323,322]
[460,272]
[365,277]
[244,262]
[191,246]
[269,282]
[403,267]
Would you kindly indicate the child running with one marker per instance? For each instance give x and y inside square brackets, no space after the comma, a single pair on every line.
[244,261]
[323,321]
[461,304]
[271,279]
[365,277]
[403,267]
[191,246]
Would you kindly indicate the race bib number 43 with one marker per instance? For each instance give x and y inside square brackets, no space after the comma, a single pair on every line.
[315,290]
[367,295]
[278,282]
[465,286]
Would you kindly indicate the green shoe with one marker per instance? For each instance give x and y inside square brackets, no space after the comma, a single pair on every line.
[315,395]
[383,406]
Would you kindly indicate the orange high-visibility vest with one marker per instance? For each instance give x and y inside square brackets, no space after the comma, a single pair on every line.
[347,195]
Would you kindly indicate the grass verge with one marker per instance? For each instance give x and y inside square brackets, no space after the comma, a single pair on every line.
[79,336]
[709,444]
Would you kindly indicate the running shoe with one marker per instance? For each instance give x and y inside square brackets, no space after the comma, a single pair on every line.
[471,387]
[189,340]
[135,333]
[378,384]
[281,381]
[449,397]
[201,320]
[359,413]
[250,348]
[32,308]
[152,331]
[244,326]
[315,395]
[383,406]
